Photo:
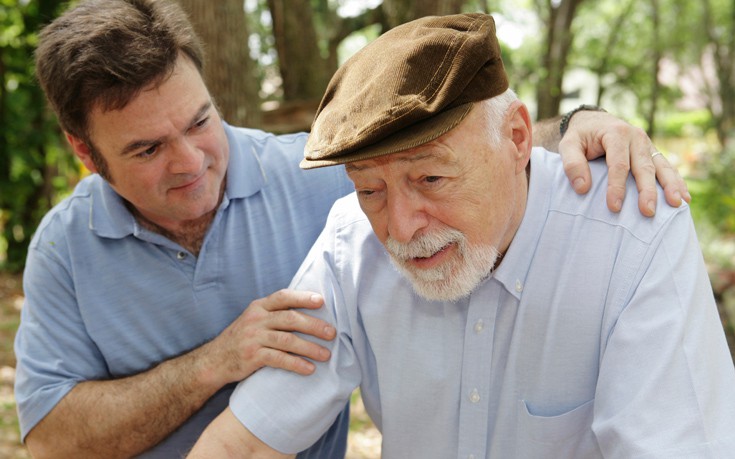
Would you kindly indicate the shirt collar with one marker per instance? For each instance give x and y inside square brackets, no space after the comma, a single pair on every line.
[109,217]
[513,270]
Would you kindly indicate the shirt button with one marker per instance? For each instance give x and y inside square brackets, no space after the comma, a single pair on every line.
[479,326]
[474,396]
[519,286]
[181,255]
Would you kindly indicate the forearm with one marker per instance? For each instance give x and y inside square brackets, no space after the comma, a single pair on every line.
[227,438]
[546,133]
[124,417]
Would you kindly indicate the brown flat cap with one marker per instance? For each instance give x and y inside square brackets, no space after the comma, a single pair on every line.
[406,88]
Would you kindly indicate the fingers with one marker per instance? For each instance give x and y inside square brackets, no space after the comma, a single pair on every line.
[626,149]
[576,166]
[617,175]
[675,188]
[624,145]
[644,173]
[273,342]
[278,313]
[267,333]
[289,352]
[290,299]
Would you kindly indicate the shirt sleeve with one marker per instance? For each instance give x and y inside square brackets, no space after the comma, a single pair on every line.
[288,411]
[52,347]
[666,385]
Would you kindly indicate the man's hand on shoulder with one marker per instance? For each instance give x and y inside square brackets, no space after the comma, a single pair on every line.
[626,148]
[264,335]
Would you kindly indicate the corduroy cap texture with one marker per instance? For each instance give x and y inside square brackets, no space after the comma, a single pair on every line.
[406,88]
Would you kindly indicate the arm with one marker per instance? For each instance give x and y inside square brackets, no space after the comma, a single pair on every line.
[123,417]
[666,384]
[227,438]
[282,409]
[593,134]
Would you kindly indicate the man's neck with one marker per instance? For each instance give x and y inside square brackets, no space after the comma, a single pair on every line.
[189,235]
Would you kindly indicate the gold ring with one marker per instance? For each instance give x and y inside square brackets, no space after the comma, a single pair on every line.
[656,153]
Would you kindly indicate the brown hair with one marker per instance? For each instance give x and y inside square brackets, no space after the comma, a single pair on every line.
[104,52]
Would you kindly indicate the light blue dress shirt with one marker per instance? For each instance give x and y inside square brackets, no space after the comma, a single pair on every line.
[106,298]
[597,336]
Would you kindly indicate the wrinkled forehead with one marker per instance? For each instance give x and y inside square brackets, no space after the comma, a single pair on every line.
[430,154]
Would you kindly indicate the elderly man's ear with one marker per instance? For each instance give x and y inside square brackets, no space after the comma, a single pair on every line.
[519,123]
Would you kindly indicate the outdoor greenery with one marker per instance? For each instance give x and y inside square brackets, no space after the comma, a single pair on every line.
[665,65]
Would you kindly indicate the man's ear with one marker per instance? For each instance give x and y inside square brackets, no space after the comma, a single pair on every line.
[81,149]
[519,122]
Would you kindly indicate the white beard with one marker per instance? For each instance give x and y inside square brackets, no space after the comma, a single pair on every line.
[453,279]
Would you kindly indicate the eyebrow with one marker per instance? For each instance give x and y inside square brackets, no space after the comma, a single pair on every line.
[352,167]
[139,144]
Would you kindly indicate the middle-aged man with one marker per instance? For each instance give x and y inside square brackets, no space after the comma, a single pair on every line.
[526,322]
[139,313]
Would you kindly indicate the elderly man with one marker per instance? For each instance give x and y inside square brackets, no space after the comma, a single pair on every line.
[140,315]
[528,322]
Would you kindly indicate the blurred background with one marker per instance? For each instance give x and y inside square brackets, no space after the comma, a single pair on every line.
[667,66]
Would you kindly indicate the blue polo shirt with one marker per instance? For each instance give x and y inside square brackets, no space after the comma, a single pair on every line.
[107,298]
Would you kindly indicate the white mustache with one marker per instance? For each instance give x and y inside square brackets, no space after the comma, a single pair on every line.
[424,245]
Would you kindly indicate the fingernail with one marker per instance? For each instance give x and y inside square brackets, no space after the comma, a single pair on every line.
[578,183]
[652,207]
[618,204]
[315,298]
[687,197]
[677,196]
[330,331]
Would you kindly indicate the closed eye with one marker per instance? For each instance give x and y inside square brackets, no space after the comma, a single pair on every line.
[201,122]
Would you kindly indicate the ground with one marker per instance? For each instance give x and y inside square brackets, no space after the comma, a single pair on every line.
[11,300]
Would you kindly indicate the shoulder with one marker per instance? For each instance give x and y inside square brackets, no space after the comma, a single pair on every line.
[349,237]
[72,214]
[346,213]
[284,145]
[278,158]
[549,182]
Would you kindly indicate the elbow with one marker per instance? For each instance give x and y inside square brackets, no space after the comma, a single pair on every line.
[42,447]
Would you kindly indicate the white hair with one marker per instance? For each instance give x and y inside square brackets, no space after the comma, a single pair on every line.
[494,111]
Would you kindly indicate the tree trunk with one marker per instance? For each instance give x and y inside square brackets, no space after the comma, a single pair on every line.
[401,11]
[656,58]
[612,40]
[229,70]
[558,43]
[304,70]
[723,111]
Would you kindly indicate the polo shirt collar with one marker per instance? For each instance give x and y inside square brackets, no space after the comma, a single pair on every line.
[513,270]
[109,217]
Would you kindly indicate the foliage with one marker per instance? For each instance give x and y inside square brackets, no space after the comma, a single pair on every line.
[34,166]
[713,195]
[685,123]
[615,39]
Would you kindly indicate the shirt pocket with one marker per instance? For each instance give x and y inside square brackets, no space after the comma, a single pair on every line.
[567,435]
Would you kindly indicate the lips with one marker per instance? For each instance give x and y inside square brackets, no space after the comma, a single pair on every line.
[432,260]
[189,185]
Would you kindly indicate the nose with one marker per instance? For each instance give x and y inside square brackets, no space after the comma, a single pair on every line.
[186,158]
[406,215]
